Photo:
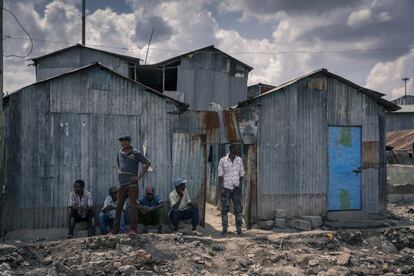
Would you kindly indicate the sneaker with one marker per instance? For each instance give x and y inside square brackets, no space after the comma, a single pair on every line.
[132,232]
[239,232]
[196,233]
[159,229]
[145,230]
[70,236]
[224,232]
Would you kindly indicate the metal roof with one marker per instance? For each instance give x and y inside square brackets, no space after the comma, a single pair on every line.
[180,105]
[86,47]
[406,108]
[371,93]
[205,49]
[401,139]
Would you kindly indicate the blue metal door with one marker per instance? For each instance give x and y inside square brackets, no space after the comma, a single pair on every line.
[344,157]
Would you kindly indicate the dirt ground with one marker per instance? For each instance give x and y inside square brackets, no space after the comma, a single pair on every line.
[387,251]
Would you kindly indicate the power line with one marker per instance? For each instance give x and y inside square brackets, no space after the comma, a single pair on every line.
[30,38]
[235,53]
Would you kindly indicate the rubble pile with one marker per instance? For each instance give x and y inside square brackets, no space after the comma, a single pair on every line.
[346,252]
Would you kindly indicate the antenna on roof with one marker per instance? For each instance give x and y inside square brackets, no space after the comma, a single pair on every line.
[83,22]
[149,42]
[405,79]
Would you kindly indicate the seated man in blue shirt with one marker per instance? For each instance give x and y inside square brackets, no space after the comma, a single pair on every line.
[150,209]
[107,214]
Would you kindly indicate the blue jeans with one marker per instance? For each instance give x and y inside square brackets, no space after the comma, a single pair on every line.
[190,213]
[105,220]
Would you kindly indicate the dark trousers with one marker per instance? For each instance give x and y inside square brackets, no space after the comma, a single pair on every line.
[124,192]
[189,213]
[234,196]
[151,218]
[74,217]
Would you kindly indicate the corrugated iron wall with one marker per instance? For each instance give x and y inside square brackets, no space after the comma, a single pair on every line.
[205,78]
[68,129]
[292,145]
[399,121]
[75,58]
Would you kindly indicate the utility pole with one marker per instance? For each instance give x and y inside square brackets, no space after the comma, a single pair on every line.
[83,21]
[149,42]
[405,79]
[2,185]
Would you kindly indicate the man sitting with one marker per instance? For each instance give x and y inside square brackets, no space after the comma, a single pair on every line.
[80,205]
[150,209]
[182,207]
[107,214]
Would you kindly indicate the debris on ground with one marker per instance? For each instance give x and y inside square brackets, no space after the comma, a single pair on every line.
[388,250]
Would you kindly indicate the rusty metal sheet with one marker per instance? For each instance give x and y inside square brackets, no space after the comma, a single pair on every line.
[211,120]
[370,154]
[401,139]
[231,126]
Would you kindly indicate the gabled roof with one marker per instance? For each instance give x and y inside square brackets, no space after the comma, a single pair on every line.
[36,59]
[210,48]
[371,93]
[180,105]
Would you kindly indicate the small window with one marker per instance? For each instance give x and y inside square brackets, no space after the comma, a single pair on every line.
[132,71]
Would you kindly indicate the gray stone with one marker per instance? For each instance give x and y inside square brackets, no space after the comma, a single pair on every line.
[338,271]
[266,224]
[280,213]
[124,248]
[5,267]
[388,247]
[343,259]
[316,221]
[300,224]
[280,223]
[285,270]
[127,270]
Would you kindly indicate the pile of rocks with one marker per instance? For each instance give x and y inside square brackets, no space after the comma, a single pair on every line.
[281,221]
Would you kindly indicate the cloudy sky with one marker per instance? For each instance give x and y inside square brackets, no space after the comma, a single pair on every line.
[370,42]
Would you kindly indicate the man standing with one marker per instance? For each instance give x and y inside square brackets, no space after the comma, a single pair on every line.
[182,207]
[150,209]
[230,175]
[128,160]
[107,214]
[80,205]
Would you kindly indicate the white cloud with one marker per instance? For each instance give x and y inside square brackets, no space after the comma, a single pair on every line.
[358,18]
[386,76]
[193,25]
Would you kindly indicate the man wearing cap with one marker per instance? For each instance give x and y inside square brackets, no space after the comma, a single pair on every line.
[182,207]
[128,160]
[230,176]
[107,214]
[150,209]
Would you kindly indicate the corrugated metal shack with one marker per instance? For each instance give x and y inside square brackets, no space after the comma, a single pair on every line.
[402,119]
[258,88]
[76,56]
[308,133]
[66,128]
[199,77]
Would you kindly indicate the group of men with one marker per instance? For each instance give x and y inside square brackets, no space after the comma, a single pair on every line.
[149,209]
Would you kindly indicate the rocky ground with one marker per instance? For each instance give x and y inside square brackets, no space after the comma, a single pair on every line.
[388,251]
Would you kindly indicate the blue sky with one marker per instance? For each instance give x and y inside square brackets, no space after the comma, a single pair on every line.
[369,42]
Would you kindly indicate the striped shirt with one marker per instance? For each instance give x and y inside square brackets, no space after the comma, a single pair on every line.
[77,201]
